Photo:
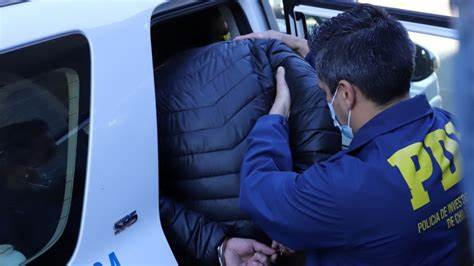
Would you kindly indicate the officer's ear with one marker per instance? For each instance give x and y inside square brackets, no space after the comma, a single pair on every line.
[348,94]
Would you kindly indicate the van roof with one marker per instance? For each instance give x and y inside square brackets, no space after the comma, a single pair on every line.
[32,21]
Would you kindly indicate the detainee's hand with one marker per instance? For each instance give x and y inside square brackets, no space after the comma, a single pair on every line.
[281,250]
[282,103]
[298,45]
[243,251]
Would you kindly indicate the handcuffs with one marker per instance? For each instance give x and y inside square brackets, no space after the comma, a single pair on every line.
[220,252]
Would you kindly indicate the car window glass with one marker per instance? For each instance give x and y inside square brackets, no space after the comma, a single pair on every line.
[43,112]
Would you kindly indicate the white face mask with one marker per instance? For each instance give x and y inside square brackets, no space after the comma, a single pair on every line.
[346,130]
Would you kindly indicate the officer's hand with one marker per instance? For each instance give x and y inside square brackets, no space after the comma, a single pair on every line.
[282,103]
[242,251]
[299,45]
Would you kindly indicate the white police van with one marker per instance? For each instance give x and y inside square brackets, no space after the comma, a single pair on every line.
[78,125]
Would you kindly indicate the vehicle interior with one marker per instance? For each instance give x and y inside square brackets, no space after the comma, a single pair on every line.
[177,31]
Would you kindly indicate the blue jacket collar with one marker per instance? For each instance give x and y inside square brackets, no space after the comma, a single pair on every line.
[394,117]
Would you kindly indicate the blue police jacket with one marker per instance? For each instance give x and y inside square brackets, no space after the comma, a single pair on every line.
[392,198]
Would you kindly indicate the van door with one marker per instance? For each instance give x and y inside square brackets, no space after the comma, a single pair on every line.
[429,23]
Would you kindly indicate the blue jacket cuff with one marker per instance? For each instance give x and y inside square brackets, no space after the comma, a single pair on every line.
[274,119]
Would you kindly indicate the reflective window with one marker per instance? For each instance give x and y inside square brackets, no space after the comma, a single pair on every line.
[44,113]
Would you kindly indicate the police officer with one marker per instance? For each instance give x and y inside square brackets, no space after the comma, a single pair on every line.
[394,196]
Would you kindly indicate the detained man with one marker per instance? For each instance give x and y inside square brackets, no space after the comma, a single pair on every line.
[394,196]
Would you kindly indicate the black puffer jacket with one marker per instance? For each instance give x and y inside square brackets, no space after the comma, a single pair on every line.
[208,100]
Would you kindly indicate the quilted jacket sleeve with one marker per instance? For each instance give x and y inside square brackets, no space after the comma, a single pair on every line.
[191,233]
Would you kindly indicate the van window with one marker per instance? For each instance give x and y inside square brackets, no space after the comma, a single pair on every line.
[44,109]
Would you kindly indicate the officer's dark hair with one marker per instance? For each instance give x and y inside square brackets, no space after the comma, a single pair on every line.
[369,49]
